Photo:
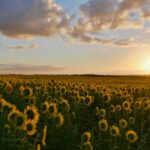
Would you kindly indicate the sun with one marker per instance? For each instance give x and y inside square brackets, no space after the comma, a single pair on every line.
[146,65]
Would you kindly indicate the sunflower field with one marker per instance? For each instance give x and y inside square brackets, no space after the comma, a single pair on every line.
[74,113]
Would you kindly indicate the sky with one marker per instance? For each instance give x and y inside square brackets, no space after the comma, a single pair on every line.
[75,37]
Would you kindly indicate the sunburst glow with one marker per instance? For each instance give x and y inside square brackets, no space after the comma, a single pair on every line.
[146,65]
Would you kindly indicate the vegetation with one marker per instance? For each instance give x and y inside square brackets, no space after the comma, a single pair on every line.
[74,112]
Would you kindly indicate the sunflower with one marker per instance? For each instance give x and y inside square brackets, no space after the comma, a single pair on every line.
[63,105]
[58,120]
[128,111]
[126,105]
[82,100]
[6,106]
[26,91]
[52,109]
[102,112]
[112,108]
[131,120]
[45,107]
[118,108]
[138,104]
[106,98]
[13,115]
[32,113]
[146,105]
[123,123]
[86,136]
[88,100]
[30,127]
[44,136]
[114,130]
[87,146]
[131,136]
[38,147]
[1,105]
[103,125]
[20,121]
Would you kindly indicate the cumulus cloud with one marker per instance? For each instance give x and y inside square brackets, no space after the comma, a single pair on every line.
[31,18]
[18,47]
[28,18]
[28,69]
[108,15]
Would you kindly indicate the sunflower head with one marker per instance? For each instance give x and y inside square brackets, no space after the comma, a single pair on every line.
[13,115]
[86,136]
[114,130]
[123,123]
[63,106]
[138,104]
[44,107]
[126,105]
[102,112]
[118,107]
[20,121]
[52,109]
[88,100]
[30,128]
[106,98]
[58,120]
[103,125]
[32,113]
[112,108]
[131,136]
[131,120]
[27,92]
[146,105]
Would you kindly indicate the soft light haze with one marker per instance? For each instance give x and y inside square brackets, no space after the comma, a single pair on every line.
[75,37]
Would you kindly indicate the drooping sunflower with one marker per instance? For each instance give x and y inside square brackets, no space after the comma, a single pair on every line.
[86,136]
[45,107]
[30,127]
[131,136]
[114,130]
[103,125]
[123,123]
[58,120]
[32,113]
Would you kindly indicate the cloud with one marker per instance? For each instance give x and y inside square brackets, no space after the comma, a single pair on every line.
[28,69]
[19,47]
[30,18]
[108,15]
